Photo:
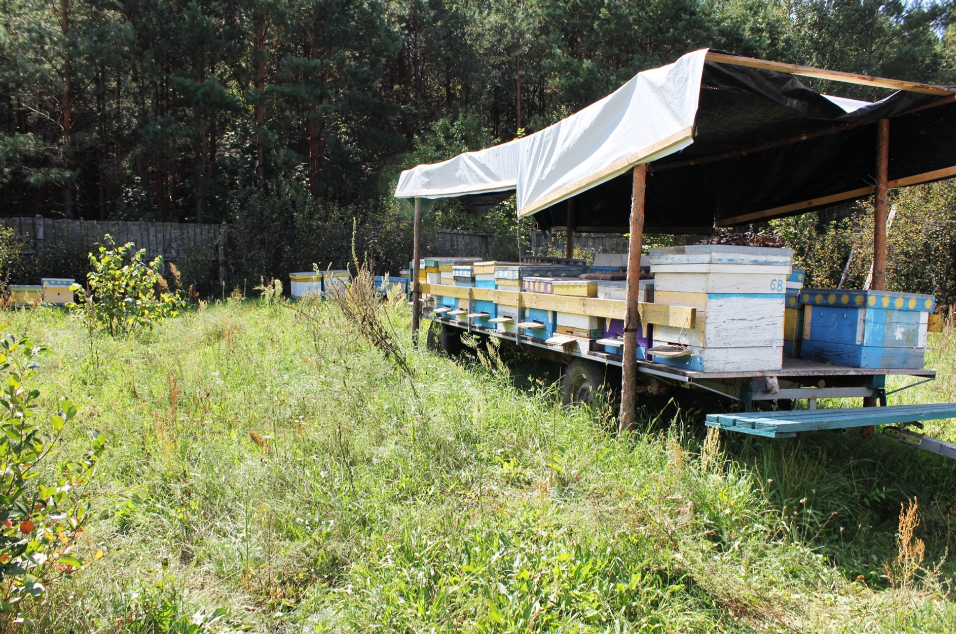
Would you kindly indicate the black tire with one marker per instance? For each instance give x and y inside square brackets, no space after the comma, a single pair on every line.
[432,337]
[450,340]
[586,383]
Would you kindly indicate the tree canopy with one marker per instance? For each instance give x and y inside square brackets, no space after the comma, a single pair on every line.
[163,109]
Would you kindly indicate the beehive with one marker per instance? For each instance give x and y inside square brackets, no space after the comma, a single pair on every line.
[618,290]
[792,325]
[739,296]
[574,288]
[865,329]
[57,290]
[26,294]
[305,283]
[334,280]
[614,332]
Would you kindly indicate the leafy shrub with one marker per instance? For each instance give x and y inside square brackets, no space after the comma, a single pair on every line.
[125,292]
[40,517]
[11,254]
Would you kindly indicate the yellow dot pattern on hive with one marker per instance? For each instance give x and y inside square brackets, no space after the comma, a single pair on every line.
[859,298]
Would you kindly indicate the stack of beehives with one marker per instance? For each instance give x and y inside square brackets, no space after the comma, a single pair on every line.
[739,295]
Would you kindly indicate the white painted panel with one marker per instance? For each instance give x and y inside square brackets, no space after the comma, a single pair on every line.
[736,269]
[720,254]
[763,283]
[584,322]
[610,259]
[755,359]
[301,289]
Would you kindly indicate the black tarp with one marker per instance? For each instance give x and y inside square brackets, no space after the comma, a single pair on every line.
[742,107]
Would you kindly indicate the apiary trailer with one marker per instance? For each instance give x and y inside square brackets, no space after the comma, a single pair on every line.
[712,139]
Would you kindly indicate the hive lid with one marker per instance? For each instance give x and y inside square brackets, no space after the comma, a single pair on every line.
[720,254]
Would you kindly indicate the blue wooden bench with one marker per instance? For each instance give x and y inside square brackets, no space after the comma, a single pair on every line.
[786,424]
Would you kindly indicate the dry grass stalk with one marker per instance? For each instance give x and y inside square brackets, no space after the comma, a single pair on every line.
[260,441]
[361,306]
[912,550]
[710,452]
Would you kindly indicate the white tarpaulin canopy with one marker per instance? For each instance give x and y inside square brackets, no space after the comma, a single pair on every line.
[649,117]
[755,142]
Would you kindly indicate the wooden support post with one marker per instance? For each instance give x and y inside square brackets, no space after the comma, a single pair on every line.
[632,315]
[880,211]
[569,248]
[223,235]
[416,258]
[881,204]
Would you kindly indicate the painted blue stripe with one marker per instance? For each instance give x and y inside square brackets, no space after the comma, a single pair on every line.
[780,296]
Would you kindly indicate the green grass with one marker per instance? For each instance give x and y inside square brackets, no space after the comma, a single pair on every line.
[278,469]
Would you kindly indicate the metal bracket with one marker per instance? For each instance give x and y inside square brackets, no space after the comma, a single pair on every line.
[926,443]
[906,387]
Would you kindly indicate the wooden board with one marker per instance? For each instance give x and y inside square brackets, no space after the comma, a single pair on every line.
[720,254]
[484,306]
[863,356]
[751,359]
[579,332]
[727,320]
[831,75]
[580,322]
[785,424]
[793,368]
[574,288]
[519,272]
[734,269]
[873,327]
[872,299]
[769,283]
[677,316]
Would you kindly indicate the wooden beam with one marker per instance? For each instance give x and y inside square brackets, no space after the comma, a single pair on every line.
[925,177]
[416,258]
[569,230]
[881,204]
[796,138]
[632,315]
[804,205]
[650,313]
[906,181]
[831,75]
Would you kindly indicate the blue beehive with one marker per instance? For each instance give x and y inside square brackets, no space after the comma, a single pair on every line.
[545,317]
[865,329]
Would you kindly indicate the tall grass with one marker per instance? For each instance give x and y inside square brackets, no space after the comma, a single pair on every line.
[271,470]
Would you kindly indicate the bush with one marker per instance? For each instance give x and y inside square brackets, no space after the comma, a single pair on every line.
[125,293]
[40,517]
[11,256]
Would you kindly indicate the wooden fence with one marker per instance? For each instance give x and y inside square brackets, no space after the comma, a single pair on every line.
[209,256]
[168,239]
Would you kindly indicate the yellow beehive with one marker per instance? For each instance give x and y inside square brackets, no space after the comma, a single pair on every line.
[27,294]
[57,290]
[574,288]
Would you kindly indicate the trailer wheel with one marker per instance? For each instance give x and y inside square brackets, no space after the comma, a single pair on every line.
[432,337]
[585,383]
[444,338]
[450,340]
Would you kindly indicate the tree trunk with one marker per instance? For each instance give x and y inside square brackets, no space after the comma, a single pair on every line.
[202,157]
[260,43]
[66,110]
